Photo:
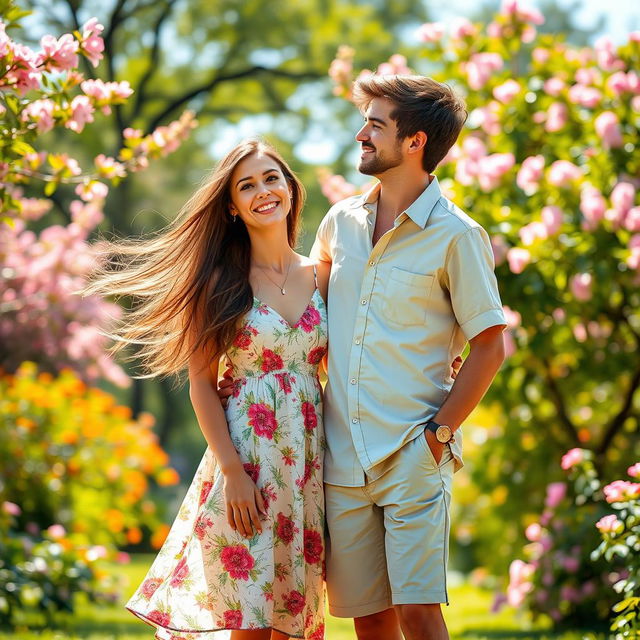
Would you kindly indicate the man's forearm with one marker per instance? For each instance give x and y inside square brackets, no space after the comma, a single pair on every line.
[473,380]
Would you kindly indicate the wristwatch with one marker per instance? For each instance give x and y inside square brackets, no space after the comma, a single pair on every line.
[444,433]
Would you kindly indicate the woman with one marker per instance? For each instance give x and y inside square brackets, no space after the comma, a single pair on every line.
[246,550]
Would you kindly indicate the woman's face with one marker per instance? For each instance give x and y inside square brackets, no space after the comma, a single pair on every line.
[260,193]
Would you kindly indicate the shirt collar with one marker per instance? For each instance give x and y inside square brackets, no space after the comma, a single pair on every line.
[419,211]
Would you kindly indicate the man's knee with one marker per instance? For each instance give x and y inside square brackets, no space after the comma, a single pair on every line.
[418,618]
[383,624]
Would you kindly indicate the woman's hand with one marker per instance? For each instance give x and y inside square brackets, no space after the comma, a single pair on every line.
[455,367]
[244,503]
[225,387]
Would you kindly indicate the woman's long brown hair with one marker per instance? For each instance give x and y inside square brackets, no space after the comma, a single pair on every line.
[189,283]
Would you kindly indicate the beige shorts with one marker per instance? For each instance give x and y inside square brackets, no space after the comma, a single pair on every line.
[388,541]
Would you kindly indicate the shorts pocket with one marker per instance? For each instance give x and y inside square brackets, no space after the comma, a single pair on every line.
[405,297]
[446,453]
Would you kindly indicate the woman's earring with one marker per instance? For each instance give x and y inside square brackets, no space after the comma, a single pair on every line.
[234,214]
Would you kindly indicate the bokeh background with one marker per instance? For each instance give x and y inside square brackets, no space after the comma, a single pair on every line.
[94,463]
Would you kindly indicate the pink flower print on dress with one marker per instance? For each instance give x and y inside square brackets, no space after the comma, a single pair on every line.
[263,420]
[284,381]
[252,469]
[203,523]
[271,361]
[318,633]
[288,456]
[204,492]
[315,355]
[150,586]
[268,494]
[159,617]
[285,528]
[309,320]
[309,415]
[294,602]
[232,619]
[180,573]
[245,337]
[237,561]
[313,546]
[309,467]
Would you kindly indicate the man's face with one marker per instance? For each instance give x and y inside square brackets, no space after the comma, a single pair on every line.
[381,149]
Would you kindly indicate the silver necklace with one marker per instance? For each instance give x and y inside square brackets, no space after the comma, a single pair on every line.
[283,291]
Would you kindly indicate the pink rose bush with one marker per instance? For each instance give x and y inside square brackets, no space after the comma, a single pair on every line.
[563,577]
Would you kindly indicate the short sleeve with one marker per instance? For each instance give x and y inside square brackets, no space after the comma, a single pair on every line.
[472,283]
[321,249]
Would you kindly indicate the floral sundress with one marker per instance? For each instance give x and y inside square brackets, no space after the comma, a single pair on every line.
[207,577]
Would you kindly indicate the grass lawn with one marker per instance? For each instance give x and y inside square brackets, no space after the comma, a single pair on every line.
[468,618]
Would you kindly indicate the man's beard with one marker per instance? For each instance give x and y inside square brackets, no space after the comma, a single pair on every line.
[375,164]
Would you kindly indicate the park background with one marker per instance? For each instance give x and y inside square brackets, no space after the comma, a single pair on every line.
[92,463]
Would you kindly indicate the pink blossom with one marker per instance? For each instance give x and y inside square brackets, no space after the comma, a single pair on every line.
[56,531]
[557,117]
[588,97]
[518,259]
[462,28]
[82,112]
[492,168]
[23,75]
[573,457]
[632,219]
[552,219]
[606,55]
[489,118]
[562,173]
[634,470]
[500,248]
[634,246]
[92,44]
[40,112]
[520,582]
[593,207]
[11,508]
[474,147]
[108,167]
[623,197]
[581,289]
[87,216]
[618,83]
[541,55]
[431,32]
[480,67]
[533,532]
[494,30]
[556,492]
[530,174]
[506,91]
[58,55]
[621,491]
[532,232]
[635,103]
[513,318]
[569,593]
[335,187]
[554,86]
[92,190]
[608,129]
[610,524]
[588,76]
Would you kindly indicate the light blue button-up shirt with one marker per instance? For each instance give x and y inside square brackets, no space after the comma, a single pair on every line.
[399,313]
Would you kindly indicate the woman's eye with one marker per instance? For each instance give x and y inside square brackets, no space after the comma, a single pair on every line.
[272,178]
[245,186]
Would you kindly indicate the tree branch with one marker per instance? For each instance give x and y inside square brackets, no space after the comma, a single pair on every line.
[558,402]
[211,84]
[154,56]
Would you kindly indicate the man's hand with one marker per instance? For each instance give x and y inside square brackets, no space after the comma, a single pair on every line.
[225,387]
[437,448]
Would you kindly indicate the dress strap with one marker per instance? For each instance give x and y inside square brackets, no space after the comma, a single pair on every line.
[315,276]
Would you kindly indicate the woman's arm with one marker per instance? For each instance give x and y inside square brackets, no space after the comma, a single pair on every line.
[242,497]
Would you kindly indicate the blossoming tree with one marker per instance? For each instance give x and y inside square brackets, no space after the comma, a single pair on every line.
[548,164]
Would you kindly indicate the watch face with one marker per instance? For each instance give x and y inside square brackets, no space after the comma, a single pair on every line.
[443,434]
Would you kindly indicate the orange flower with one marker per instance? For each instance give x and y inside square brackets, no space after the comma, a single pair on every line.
[159,536]
[115,520]
[168,477]
[134,535]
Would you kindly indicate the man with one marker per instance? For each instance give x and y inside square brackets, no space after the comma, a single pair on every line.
[411,282]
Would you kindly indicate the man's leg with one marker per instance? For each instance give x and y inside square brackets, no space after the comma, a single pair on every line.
[383,624]
[422,622]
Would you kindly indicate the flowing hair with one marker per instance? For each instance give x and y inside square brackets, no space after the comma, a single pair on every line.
[189,282]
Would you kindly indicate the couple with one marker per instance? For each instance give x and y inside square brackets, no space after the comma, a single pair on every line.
[408,281]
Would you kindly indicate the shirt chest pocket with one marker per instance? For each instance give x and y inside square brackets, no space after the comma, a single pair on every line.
[406,297]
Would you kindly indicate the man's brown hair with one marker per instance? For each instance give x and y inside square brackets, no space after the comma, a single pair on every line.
[421,104]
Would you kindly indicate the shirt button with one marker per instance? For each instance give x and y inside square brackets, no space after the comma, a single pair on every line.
[371,263]
[352,381]
[358,341]
[355,420]
[363,302]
